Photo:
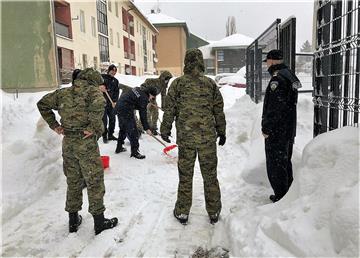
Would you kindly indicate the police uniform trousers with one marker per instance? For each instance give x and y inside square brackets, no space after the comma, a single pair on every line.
[208,165]
[278,152]
[127,125]
[108,113]
[81,161]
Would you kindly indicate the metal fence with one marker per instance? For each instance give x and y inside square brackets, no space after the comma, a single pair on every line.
[337,65]
[277,36]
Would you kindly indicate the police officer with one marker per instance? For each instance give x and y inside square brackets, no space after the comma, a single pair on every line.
[279,123]
[80,107]
[112,89]
[161,84]
[195,103]
[134,99]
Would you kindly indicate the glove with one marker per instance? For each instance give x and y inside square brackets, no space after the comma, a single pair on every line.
[165,138]
[222,139]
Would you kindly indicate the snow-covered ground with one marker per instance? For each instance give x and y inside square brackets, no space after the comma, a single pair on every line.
[318,217]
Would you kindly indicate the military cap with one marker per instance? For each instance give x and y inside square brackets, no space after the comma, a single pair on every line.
[274,54]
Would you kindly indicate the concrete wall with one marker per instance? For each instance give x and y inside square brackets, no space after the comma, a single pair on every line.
[28,53]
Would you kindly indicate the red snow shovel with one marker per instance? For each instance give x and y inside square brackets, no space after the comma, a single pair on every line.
[167,148]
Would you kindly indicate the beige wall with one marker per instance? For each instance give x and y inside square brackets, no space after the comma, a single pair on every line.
[171,48]
[85,43]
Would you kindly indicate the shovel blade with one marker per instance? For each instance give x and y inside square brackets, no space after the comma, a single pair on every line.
[169,148]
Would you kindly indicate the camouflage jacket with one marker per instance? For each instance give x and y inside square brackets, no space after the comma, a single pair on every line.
[80,107]
[160,86]
[195,103]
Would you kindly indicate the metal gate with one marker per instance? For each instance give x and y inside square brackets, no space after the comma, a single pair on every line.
[337,65]
[276,36]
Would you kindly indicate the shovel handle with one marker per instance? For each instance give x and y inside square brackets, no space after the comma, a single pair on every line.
[156,106]
[158,140]
[107,94]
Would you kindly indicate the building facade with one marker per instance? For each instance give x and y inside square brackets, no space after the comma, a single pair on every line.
[171,43]
[99,33]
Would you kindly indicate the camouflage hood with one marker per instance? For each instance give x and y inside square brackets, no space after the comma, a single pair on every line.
[165,75]
[194,62]
[92,76]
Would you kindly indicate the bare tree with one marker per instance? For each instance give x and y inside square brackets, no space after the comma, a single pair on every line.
[230,26]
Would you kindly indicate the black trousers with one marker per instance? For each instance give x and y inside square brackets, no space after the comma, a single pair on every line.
[128,129]
[108,113]
[278,164]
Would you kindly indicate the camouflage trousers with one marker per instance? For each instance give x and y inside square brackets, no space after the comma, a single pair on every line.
[208,163]
[153,115]
[82,161]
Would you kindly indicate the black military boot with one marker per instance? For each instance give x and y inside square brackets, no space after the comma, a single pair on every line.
[154,132]
[119,148]
[182,218]
[105,139]
[137,155]
[101,223]
[274,198]
[111,137]
[214,218]
[74,221]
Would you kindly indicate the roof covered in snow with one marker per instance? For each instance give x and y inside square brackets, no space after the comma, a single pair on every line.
[163,20]
[235,40]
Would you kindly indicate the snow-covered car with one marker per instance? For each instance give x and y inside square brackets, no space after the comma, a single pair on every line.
[237,81]
[219,76]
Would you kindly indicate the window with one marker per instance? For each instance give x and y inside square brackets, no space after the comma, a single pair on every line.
[137,26]
[118,39]
[102,17]
[82,21]
[116,9]
[109,1]
[153,42]
[104,48]
[84,60]
[132,44]
[220,55]
[63,19]
[128,21]
[93,26]
[111,37]
[126,47]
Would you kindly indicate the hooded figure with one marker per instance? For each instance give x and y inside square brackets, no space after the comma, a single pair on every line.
[80,107]
[161,84]
[195,103]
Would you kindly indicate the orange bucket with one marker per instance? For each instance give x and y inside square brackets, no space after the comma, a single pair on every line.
[105,161]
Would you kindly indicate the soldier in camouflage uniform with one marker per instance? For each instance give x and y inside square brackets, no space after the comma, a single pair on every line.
[195,103]
[161,84]
[80,107]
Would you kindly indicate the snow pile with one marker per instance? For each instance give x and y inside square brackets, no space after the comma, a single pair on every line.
[32,161]
[318,216]
[130,80]
[255,167]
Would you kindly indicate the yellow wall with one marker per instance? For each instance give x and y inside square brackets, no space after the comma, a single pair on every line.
[171,48]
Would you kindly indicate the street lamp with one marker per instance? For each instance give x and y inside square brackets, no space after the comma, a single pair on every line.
[128,29]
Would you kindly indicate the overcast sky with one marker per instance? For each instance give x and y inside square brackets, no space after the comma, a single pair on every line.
[208,18]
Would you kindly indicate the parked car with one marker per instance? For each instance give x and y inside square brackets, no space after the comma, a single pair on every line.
[237,81]
[219,76]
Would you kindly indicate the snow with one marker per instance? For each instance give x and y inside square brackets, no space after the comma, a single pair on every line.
[235,40]
[160,18]
[318,217]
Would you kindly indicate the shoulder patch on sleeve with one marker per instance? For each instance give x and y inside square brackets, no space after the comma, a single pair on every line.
[274,85]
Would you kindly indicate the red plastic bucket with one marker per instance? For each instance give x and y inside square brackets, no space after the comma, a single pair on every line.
[105,161]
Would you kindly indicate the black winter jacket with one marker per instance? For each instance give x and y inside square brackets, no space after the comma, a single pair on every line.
[279,110]
[134,99]
[112,86]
